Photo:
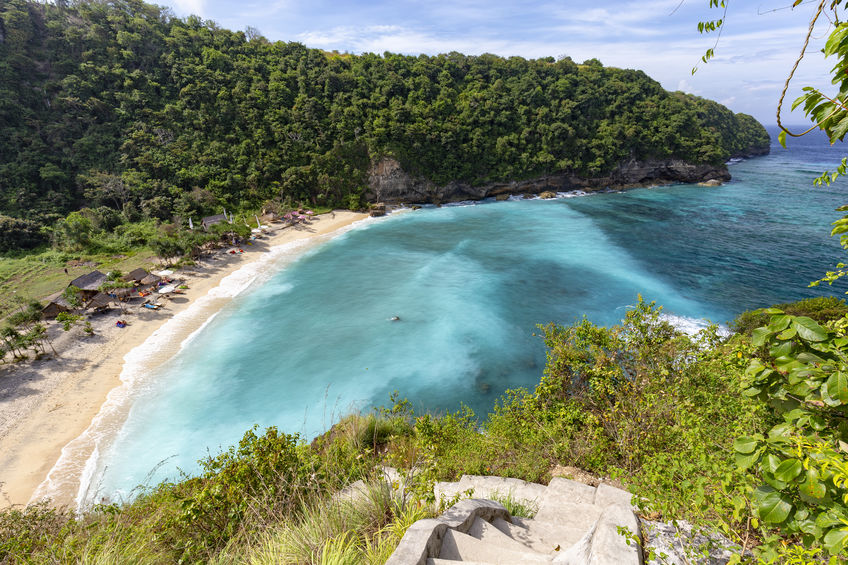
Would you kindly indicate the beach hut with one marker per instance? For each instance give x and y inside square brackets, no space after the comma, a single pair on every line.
[121,293]
[136,275]
[89,284]
[150,280]
[100,301]
[56,304]
[212,220]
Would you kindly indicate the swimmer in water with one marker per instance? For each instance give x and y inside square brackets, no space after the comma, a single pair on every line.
[395,319]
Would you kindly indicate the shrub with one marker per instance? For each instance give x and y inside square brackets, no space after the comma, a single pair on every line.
[822,309]
[16,234]
[31,530]
[801,371]
[269,473]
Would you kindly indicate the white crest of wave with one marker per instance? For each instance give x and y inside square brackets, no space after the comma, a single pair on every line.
[692,326]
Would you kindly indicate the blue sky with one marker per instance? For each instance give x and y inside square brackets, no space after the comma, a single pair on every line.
[755,54]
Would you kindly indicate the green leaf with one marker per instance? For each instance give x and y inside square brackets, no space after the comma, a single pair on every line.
[773,507]
[839,131]
[825,520]
[809,329]
[770,462]
[807,357]
[812,487]
[759,336]
[746,460]
[837,387]
[782,350]
[781,139]
[789,333]
[779,323]
[836,540]
[745,444]
[788,470]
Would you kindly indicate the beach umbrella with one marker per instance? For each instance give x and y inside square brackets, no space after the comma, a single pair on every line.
[167,288]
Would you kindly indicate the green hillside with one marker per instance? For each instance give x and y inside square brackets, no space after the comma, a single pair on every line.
[121,106]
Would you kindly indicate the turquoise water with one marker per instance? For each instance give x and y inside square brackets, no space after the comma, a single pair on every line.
[469,284]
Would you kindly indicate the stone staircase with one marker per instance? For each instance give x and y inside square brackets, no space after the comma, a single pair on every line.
[575,524]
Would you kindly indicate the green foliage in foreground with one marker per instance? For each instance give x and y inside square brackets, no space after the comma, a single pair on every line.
[124,108]
[660,411]
[801,369]
[822,309]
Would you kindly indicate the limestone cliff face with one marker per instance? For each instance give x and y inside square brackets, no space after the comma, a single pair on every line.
[389,183]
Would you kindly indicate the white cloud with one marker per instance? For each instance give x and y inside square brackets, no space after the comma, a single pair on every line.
[190,7]
[685,86]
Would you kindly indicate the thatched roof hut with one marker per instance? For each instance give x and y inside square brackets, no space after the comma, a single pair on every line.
[150,279]
[121,293]
[56,304]
[89,284]
[135,275]
[100,300]
[212,220]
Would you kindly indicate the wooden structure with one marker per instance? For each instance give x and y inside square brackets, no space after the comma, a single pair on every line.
[100,301]
[89,284]
[212,220]
[136,275]
[56,304]
[150,280]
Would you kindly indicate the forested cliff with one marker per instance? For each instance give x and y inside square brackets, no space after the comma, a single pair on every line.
[119,104]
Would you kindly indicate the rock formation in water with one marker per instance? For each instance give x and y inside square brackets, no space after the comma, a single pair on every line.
[389,183]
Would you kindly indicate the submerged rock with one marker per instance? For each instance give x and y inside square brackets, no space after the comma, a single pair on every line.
[711,182]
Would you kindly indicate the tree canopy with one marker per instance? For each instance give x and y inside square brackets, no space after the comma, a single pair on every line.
[119,104]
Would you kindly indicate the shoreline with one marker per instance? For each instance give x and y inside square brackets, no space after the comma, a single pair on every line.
[48,406]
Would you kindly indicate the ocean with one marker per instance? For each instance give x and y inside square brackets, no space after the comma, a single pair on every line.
[310,338]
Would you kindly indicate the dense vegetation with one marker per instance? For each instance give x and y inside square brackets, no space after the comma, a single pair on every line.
[641,402]
[120,107]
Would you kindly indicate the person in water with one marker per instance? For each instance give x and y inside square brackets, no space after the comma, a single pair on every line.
[395,319]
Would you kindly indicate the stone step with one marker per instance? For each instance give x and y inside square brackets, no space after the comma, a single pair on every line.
[524,536]
[566,490]
[610,547]
[563,523]
[486,532]
[492,487]
[606,495]
[462,547]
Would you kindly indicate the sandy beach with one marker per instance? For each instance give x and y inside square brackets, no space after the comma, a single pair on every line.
[46,405]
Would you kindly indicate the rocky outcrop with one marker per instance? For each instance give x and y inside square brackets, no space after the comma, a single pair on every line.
[389,183]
